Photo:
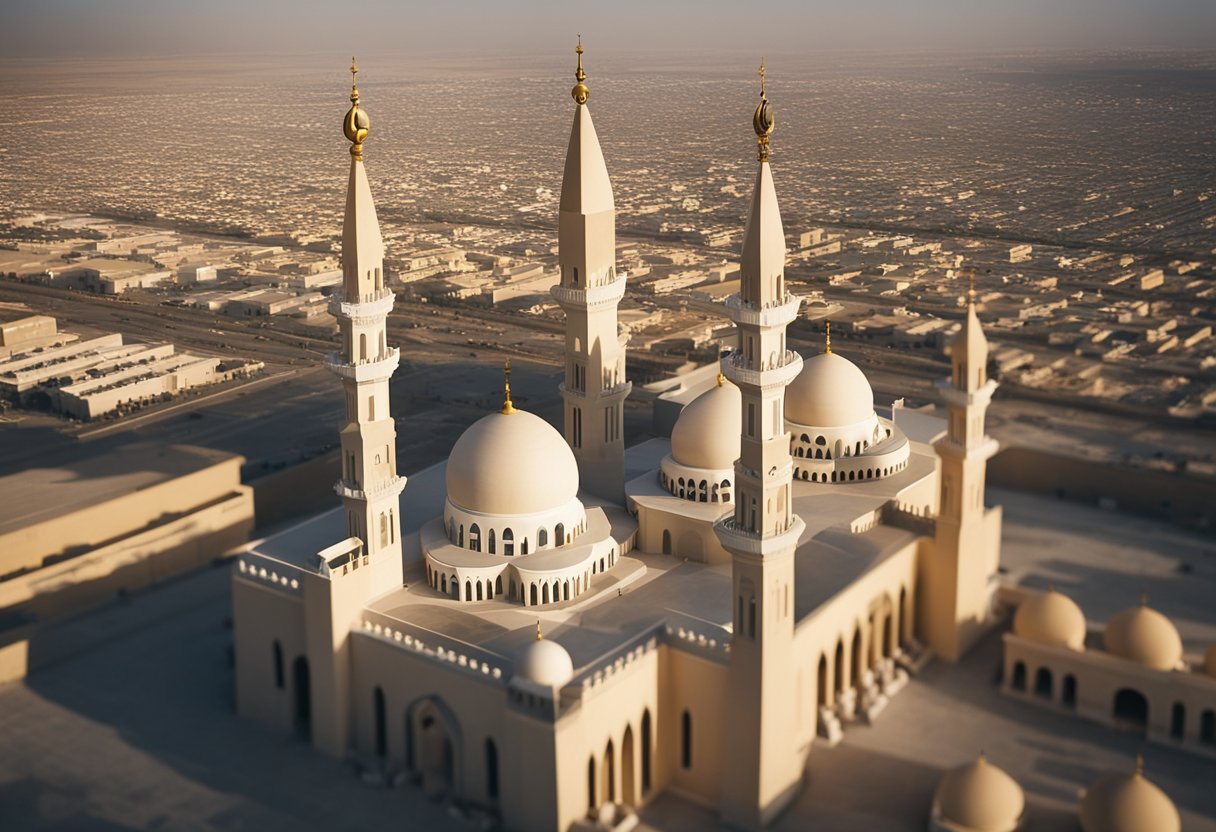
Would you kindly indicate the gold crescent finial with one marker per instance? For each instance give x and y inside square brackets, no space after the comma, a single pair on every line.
[762,120]
[827,338]
[507,407]
[356,123]
[580,91]
[539,634]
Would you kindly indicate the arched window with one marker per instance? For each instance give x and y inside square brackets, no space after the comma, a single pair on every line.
[646,751]
[278,665]
[1019,676]
[443,584]
[666,542]
[559,534]
[533,588]
[508,542]
[686,740]
[480,595]
[1043,683]
[1178,721]
[1207,727]
[591,783]
[490,548]
[565,590]
[381,727]
[498,585]
[475,537]
[491,769]
[1131,711]
[468,590]
[544,593]
[1068,691]
[542,538]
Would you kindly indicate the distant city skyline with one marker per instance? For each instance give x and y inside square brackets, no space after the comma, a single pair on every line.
[111,28]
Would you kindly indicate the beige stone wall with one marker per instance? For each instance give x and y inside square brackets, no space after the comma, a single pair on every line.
[688,537]
[107,520]
[698,686]
[263,615]
[1096,678]
[134,562]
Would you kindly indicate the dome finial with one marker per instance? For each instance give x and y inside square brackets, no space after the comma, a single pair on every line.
[971,286]
[539,634]
[1139,764]
[356,123]
[580,91]
[762,120]
[721,379]
[1143,597]
[507,407]
[827,338]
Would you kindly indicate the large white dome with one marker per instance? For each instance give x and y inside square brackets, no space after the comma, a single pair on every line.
[1051,618]
[511,463]
[979,797]
[1144,635]
[707,433]
[829,392]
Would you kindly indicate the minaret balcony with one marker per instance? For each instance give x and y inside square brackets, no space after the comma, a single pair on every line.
[374,305]
[737,368]
[606,294]
[777,313]
[961,398]
[373,369]
[739,540]
[615,391]
[389,487]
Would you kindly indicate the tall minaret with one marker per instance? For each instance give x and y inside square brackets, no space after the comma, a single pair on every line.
[957,576]
[369,485]
[590,289]
[763,532]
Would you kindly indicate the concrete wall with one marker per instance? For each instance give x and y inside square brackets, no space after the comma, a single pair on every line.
[1187,501]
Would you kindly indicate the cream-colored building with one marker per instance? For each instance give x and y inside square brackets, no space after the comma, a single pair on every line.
[566,625]
[1136,680]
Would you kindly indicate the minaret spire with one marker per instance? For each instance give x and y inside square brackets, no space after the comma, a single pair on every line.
[507,407]
[762,533]
[369,485]
[595,388]
[827,338]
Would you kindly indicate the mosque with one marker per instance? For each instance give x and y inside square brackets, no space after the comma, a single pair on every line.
[571,628]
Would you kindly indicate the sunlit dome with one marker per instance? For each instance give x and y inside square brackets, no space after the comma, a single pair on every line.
[511,463]
[546,663]
[829,392]
[1128,803]
[978,797]
[1051,618]
[707,433]
[1144,635]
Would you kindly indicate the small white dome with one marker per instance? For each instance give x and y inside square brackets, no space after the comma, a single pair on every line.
[1128,803]
[707,433]
[511,463]
[979,797]
[1051,618]
[547,663]
[1144,635]
[829,392]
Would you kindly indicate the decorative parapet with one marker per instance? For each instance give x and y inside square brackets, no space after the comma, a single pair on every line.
[373,369]
[393,486]
[456,654]
[735,538]
[778,313]
[617,390]
[276,574]
[910,518]
[595,295]
[374,305]
[777,373]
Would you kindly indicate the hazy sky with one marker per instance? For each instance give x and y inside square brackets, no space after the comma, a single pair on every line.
[160,27]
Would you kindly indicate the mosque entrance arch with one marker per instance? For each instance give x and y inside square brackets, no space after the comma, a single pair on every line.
[432,739]
[1131,711]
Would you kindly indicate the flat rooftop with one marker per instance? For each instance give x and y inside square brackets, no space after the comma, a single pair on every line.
[130,722]
[79,477]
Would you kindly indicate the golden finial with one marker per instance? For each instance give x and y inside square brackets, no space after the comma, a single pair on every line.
[762,120]
[507,407]
[1143,597]
[539,634]
[827,338]
[971,286]
[721,379]
[1139,764]
[356,124]
[580,91]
